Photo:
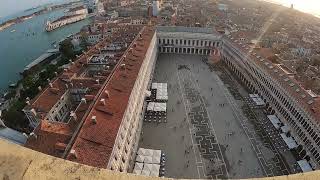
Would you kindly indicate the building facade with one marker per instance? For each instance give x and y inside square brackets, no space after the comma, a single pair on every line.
[284,97]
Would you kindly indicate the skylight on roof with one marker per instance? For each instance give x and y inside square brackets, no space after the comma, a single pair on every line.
[310,102]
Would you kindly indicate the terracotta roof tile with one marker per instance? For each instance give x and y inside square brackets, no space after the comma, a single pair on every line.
[98,137]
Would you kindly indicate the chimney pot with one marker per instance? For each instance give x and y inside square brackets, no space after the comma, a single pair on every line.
[33,135]
[107,93]
[33,112]
[94,119]
[83,100]
[103,101]
[73,153]
[73,115]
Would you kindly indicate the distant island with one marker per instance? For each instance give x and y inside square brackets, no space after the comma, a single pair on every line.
[20,19]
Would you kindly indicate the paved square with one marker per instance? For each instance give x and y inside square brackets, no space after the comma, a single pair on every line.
[207,135]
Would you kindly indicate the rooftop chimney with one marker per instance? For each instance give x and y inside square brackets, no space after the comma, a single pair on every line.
[103,101]
[50,84]
[123,66]
[26,135]
[73,115]
[83,100]
[94,119]
[33,135]
[39,88]
[73,153]
[56,73]
[66,85]
[33,111]
[107,93]
[97,81]
[71,84]
[27,98]
[28,103]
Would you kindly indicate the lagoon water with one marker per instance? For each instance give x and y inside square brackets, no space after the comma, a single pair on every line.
[27,42]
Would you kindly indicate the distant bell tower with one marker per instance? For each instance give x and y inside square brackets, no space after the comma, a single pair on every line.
[291,6]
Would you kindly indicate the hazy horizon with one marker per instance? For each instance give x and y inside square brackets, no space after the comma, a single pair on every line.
[307,6]
[10,7]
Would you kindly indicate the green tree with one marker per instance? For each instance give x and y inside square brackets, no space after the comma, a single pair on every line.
[14,117]
[84,41]
[66,48]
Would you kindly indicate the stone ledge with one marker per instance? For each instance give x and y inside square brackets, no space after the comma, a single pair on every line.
[17,162]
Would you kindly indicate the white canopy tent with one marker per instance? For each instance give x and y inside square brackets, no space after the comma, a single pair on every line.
[141,151]
[148,152]
[138,166]
[274,120]
[155,170]
[145,172]
[148,159]
[155,167]
[285,128]
[291,143]
[150,156]
[162,90]
[304,165]
[140,158]
[157,153]
[156,159]
[257,99]
[155,106]
[154,174]
[135,171]
[147,167]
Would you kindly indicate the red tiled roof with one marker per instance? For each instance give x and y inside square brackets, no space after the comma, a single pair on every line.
[95,141]
[49,132]
[51,136]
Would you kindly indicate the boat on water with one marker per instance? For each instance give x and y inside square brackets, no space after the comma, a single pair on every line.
[13,31]
[13,85]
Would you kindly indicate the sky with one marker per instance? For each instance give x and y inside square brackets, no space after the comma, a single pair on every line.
[309,6]
[9,7]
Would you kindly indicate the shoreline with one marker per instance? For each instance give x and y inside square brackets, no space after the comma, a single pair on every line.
[21,19]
